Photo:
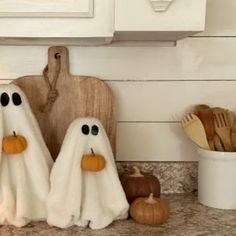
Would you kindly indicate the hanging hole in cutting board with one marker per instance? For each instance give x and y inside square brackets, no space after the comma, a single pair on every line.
[57,55]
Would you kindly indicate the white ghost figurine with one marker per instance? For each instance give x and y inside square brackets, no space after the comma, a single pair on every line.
[80,197]
[24,176]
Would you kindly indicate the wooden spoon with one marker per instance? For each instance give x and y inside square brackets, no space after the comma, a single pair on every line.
[194,129]
[205,114]
[200,107]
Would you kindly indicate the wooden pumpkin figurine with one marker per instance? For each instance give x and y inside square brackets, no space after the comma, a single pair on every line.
[150,211]
[139,185]
[14,144]
[93,162]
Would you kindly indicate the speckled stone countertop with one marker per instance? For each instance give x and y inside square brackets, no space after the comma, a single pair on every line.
[188,218]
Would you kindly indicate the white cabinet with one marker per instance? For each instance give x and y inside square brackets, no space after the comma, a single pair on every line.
[44,8]
[69,21]
[86,22]
[158,19]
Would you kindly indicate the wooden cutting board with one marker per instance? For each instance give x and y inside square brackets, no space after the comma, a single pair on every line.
[78,96]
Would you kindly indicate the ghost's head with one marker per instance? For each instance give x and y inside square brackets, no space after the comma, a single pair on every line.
[91,134]
[17,118]
[16,113]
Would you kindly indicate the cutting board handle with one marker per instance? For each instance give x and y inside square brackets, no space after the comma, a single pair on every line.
[57,69]
[53,52]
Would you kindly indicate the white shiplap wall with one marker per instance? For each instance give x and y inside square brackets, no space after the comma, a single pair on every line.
[154,86]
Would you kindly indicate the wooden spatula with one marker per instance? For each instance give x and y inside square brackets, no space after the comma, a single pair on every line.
[194,129]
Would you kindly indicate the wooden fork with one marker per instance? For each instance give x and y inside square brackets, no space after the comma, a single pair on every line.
[218,144]
[194,129]
[223,129]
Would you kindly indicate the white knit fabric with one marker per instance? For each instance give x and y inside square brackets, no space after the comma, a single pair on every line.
[24,177]
[79,197]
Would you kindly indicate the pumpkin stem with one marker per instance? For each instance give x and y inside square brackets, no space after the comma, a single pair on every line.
[92,152]
[137,172]
[14,133]
[150,199]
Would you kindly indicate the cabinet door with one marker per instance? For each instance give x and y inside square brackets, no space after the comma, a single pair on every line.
[71,19]
[135,16]
[45,8]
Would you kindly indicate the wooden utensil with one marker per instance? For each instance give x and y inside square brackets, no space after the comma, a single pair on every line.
[194,129]
[232,121]
[215,142]
[205,114]
[218,144]
[223,127]
[57,98]
[200,107]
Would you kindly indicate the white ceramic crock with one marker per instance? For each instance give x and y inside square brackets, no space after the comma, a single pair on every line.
[217,179]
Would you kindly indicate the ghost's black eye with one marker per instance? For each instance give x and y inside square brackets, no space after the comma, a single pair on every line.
[85,129]
[16,99]
[4,99]
[95,130]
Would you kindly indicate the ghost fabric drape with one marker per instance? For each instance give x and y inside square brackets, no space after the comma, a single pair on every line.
[85,198]
[24,176]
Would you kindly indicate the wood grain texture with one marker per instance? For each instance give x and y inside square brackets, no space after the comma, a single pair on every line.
[79,96]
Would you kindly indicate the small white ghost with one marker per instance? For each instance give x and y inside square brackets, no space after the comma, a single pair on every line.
[80,197]
[24,176]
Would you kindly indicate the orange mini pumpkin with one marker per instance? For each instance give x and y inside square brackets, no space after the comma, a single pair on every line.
[14,144]
[150,211]
[93,162]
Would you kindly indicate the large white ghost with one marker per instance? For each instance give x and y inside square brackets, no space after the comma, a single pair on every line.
[24,177]
[85,198]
